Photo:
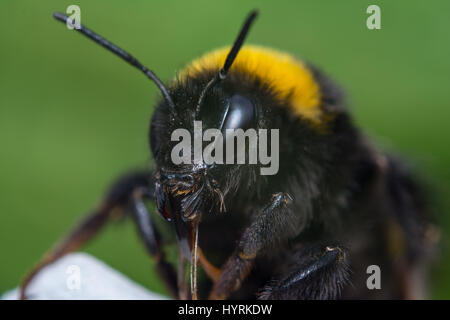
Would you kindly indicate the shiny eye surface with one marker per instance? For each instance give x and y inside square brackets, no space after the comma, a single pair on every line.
[239,114]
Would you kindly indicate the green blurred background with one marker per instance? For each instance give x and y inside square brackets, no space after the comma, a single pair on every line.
[73,116]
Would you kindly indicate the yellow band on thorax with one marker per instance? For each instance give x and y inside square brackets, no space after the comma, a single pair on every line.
[289,77]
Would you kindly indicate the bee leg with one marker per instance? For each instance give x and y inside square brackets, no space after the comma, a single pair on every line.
[117,199]
[151,239]
[275,223]
[320,274]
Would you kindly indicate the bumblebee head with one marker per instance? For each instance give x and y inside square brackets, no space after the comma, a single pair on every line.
[187,185]
[189,190]
[265,89]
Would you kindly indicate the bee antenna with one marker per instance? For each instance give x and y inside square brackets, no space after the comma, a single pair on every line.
[121,53]
[230,57]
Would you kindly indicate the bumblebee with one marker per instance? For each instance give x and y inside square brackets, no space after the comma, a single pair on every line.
[335,207]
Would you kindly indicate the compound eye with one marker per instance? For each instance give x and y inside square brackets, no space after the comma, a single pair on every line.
[240,114]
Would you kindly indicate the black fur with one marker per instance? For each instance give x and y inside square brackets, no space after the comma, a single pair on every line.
[273,235]
[339,189]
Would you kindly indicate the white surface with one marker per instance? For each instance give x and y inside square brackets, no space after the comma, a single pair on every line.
[81,276]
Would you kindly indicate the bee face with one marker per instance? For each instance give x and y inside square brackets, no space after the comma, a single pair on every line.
[224,108]
[186,193]
[182,197]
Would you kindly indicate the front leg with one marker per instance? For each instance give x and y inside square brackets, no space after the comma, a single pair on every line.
[151,238]
[319,273]
[126,193]
[275,223]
